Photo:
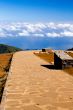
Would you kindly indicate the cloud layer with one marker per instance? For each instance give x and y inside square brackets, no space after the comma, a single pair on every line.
[36,30]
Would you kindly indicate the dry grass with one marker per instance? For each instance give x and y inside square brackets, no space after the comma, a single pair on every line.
[69,70]
[70,53]
[5,60]
[49,57]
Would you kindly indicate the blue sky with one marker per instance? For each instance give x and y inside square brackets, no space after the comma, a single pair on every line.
[36,10]
[48,23]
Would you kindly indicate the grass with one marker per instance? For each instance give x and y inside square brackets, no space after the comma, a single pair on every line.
[5,60]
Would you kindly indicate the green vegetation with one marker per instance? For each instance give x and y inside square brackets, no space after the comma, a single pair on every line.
[8,49]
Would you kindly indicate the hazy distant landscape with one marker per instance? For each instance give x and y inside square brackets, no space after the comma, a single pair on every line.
[39,43]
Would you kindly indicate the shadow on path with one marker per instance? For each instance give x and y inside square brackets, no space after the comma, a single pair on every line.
[50,67]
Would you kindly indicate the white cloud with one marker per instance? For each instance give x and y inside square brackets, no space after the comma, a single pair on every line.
[24,33]
[52,25]
[38,35]
[67,34]
[53,34]
[37,30]
[2,34]
[40,25]
[63,26]
[33,27]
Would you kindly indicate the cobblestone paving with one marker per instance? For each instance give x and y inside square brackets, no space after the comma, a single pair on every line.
[31,86]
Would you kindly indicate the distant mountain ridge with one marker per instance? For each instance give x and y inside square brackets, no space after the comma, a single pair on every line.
[70,49]
[8,49]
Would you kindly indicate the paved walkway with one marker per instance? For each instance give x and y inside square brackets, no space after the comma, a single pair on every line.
[31,86]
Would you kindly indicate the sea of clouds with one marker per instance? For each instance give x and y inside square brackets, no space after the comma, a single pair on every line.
[36,30]
[37,35]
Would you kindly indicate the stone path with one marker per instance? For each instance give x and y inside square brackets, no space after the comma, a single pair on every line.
[31,86]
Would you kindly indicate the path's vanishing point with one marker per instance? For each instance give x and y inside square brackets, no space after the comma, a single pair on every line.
[31,86]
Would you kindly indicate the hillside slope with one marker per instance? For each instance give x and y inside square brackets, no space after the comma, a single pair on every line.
[5,61]
[8,49]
